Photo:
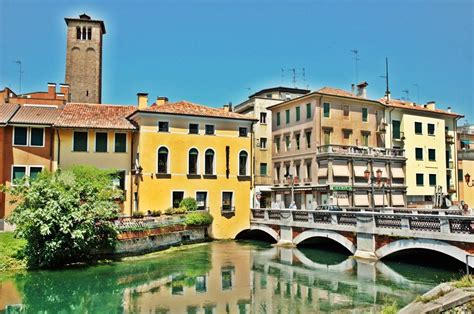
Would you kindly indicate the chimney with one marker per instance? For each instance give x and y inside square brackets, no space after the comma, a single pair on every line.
[142,100]
[362,89]
[64,89]
[449,109]
[431,105]
[352,89]
[228,107]
[161,100]
[51,90]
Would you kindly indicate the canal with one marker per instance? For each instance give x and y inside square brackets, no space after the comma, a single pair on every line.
[222,277]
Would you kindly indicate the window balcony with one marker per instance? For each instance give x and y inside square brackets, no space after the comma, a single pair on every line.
[344,150]
[449,138]
[307,180]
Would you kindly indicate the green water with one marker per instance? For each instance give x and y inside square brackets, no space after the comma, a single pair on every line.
[221,277]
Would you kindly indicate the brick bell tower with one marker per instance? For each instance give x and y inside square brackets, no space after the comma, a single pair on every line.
[84,58]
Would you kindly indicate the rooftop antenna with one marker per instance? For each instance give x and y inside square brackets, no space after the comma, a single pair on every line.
[356,59]
[294,76]
[417,92]
[387,88]
[407,92]
[282,76]
[19,72]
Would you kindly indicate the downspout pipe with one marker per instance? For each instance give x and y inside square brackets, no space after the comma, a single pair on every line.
[59,147]
[132,134]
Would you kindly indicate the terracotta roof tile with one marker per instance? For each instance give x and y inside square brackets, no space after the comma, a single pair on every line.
[336,92]
[397,103]
[6,112]
[95,116]
[188,108]
[28,114]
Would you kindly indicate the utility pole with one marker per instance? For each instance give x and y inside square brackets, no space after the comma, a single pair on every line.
[417,92]
[19,72]
[356,59]
[387,88]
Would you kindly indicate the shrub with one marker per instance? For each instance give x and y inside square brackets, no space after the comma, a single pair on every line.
[198,219]
[189,203]
[170,211]
[66,216]
[156,213]
[180,210]
[138,215]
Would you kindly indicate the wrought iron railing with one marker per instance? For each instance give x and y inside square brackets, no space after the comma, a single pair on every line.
[360,151]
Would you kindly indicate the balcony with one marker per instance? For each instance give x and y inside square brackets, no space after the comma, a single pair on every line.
[400,138]
[276,182]
[361,151]
[307,180]
[382,127]
[449,138]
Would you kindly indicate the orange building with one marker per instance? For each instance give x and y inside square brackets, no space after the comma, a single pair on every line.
[50,97]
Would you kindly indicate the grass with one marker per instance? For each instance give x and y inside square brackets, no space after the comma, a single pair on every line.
[390,308]
[466,281]
[10,252]
[432,297]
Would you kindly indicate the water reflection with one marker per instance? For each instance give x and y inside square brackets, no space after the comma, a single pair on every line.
[220,277]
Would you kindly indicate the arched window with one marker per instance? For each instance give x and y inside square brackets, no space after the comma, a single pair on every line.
[243,156]
[89,33]
[84,33]
[78,32]
[193,161]
[209,162]
[163,160]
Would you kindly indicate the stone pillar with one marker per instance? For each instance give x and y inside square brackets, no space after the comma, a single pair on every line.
[365,238]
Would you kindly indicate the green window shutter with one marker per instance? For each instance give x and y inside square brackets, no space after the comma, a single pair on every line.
[37,137]
[20,136]
[287,112]
[308,111]
[365,114]
[263,169]
[120,142]
[101,142]
[298,113]
[278,119]
[327,109]
[396,129]
[80,142]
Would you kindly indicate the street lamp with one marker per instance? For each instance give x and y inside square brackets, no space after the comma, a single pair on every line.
[367,176]
[381,183]
[467,178]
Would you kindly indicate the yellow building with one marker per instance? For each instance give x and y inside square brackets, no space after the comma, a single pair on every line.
[188,150]
[97,135]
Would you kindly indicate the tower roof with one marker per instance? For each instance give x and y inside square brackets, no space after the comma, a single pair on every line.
[85,19]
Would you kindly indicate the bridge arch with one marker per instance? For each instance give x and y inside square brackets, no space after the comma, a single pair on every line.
[269,231]
[427,244]
[342,240]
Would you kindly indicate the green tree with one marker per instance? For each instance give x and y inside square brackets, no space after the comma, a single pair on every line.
[65,216]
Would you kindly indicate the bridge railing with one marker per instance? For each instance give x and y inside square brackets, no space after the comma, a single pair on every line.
[416,222]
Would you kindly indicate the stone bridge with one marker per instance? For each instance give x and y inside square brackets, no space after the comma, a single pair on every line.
[371,235]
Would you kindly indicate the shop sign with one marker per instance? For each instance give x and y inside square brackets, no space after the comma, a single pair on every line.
[341,188]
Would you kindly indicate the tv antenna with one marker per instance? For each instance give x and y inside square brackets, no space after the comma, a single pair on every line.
[294,76]
[417,92]
[387,88]
[356,59]
[407,93]
[282,76]
[20,71]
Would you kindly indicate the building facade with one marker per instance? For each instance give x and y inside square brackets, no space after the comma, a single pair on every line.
[465,147]
[84,58]
[257,107]
[324,142]
[188,150]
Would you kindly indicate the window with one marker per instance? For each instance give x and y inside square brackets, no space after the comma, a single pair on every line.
[263,117]
[37,136]
[243,132]
[327,137]
[431,129]
[418,128]
[419,179]
[209,162]
[287,142]
[365,114]
[35,171]
[201,199]
[263,169]
[177,198]
[431,154]
[243,156]
[432,179]
[277,172]
[163,126]
[78,32]
[327,110]
[89,33]
[278,119]
[120,142]
[18,173]
[226,276]
[297,140]
[396,129]
[268,95]
[418,153]
[227,201]
[308,169]
[80,141]
[297,170]
[163,160]
[287,115]
[193,128]
[298,113]
[346,134]
[84,33]
[308,111]
[118,180]
[308,139]
[287,170]
[20,136]
[263,142]
[346,112]
[365,139]
[193,161]
[210,129]
[277,144]
[101,142]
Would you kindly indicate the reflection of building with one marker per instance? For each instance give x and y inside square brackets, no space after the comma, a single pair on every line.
[324,141]
[465,147]
[188,150]
[256,107]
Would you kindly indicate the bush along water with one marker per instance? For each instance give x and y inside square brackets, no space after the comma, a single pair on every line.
[198,219]
[65,216]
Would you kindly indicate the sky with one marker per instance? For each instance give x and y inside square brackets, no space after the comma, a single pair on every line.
[217,51]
